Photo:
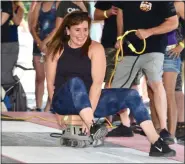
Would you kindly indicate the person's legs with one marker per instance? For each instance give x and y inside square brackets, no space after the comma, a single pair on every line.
[180,130]
[154,115]
[169,79]
[135,85]
[179,96]
[110,59]
[127,118]
[160,102]
[72,99]
[154,70]
[126,98]
[124,77]
[48,105]
[171,69]
[114,100]
[39,80]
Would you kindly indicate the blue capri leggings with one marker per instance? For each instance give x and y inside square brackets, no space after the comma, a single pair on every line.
[72,97]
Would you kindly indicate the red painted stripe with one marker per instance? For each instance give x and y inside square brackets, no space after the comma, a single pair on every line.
[141,143]
[137,142]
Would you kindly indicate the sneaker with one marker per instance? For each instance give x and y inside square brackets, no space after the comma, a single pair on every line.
[38,110]
[98,131]
[137,129]
[121,131]
[180,131]
[52,111]
[161,149]
[167,137]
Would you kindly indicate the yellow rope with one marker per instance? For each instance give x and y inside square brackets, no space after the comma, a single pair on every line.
[121,38]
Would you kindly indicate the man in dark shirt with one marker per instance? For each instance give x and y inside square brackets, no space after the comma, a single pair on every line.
[6,15]
[109,40]
[109,33]
[9,50]
[66,7]
[151,20]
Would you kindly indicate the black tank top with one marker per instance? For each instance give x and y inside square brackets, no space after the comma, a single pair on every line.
[73,63]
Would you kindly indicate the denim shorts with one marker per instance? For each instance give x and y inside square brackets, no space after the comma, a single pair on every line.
[36,51]
[171,64]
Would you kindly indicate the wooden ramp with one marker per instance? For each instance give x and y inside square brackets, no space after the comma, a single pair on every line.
[42,118]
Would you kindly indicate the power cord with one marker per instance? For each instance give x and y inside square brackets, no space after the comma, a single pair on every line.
[132,48]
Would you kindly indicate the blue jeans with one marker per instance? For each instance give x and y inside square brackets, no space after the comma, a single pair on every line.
[171,64]
[72,97]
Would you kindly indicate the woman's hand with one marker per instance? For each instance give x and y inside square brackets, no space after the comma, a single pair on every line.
[175,52]
[84,128]
[60,121]
[118,44]
[43,47]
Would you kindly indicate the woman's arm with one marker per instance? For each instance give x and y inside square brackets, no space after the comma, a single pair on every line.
[51,66]
[35,15]
[4,17]
[6,11]
[176,52]
[32,7]
[98,67]
[179,6]
[17,17]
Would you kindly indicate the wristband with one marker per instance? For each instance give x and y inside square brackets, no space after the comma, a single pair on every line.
[105,14]
[181,44]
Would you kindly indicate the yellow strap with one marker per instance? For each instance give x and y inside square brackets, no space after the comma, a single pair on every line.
[181,44]
[105,14]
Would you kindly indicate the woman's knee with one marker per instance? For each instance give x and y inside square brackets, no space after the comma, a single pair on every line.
[40,79]
[170,93]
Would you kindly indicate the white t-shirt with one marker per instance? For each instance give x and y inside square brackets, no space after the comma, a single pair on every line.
[96,26]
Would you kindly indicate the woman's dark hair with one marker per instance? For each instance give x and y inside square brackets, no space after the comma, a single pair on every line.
[60,38]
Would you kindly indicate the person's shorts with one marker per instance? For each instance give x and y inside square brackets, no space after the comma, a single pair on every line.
[138,77]
[171,64]
[150,63]
[36,51]
[110,58]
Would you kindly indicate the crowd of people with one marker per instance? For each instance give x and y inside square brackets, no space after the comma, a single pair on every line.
[74,50]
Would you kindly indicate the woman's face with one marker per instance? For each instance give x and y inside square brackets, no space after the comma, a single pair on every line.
[78,34]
